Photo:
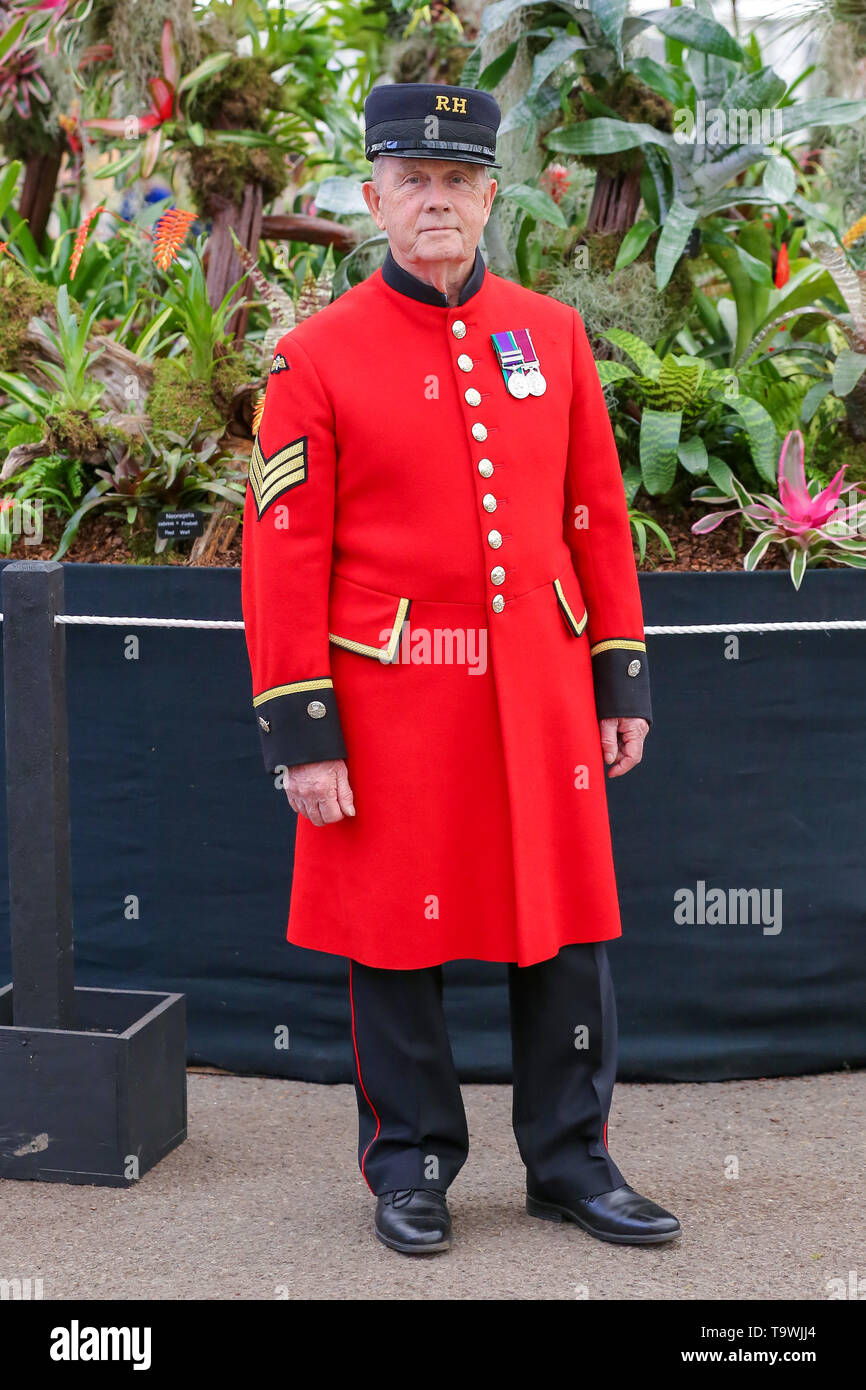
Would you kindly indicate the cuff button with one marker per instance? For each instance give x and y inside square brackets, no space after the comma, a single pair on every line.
[633,668]
[264,724]
[316,710]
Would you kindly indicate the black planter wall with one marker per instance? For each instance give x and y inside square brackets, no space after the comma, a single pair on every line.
[753,779]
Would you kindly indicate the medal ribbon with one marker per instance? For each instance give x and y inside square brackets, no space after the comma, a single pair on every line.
[527,351]
[509,354]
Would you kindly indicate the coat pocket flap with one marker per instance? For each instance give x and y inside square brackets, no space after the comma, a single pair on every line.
[365,620]
[570,600]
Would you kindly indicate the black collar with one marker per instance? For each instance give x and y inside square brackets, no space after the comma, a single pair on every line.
[405,283]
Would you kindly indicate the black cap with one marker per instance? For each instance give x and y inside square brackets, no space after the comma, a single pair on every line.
[424,120]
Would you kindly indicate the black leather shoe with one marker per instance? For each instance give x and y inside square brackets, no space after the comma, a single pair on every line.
[414,1222]
[622,1216]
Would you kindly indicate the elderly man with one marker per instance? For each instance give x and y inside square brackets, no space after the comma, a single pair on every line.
[446,642]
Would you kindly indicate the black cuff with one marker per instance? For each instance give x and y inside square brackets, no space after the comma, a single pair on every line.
[300,726]
[622,684]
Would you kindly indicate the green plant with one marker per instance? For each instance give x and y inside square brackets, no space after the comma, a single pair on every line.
[679,403]
[805,519]
[193,319]
[56,480]
[841,372]
[692,173]
[681,135]
[640,524]
[76,388]
[747,251]
[175,472]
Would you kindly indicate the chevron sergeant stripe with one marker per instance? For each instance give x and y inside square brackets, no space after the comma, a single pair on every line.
[271,477]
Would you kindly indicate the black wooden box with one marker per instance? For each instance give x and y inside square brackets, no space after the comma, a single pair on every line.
[101,1102]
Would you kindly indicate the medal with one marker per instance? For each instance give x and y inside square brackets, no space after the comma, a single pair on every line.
[518,363]
[536,382]
[511,364]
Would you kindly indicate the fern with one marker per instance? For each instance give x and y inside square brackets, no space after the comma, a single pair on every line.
[52,478]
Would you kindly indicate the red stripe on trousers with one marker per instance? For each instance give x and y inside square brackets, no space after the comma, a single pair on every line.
[361,1080]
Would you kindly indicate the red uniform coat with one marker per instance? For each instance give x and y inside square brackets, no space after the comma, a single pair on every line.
[440,587]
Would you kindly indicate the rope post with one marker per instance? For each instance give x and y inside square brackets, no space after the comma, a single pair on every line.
[37,795]
[92,1081]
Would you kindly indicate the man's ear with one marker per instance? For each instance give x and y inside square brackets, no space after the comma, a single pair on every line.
[373,199]
[489,195]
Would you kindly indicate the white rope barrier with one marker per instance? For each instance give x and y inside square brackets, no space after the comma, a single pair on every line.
[678,630]
[97,621]
[698,628]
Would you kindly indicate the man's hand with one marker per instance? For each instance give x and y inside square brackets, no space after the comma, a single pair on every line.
[320,791]
[622,743]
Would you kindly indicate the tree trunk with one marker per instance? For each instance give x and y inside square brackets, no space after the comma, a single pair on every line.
[37,194]
[299,226]
[224,268]
[615,201]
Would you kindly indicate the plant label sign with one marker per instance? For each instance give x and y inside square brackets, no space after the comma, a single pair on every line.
[179,526]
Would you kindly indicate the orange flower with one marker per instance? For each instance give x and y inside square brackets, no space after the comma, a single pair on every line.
[169,235]
[854,232]
[81,237]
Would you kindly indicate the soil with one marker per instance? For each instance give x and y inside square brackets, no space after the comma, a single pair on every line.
[722,549]
[108,540]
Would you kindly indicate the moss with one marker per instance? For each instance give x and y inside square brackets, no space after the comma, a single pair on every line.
[237,98]
[219,171]
[134,30]
[602,250]
[428,57]
[629,299]
[831,448]
[631,100]
[229,372]
[176,399]
[21,297]
[667,309]
[73,432]
[679,291]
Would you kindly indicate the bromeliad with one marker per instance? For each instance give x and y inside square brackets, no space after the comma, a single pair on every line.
[810,523]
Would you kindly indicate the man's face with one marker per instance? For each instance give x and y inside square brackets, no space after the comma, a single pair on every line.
[432,209]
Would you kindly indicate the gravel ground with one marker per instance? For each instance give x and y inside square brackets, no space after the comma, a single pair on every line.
[264,1201]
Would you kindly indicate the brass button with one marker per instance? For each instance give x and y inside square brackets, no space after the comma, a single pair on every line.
[494,539]
[633,668]
[479,432]
[265,724]
[316,710]
[488,502]
[485,468]
[498,604]
[458,328]
[464,362]
[497,575]
[472,397]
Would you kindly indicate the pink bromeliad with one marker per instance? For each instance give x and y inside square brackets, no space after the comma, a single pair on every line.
[800,510]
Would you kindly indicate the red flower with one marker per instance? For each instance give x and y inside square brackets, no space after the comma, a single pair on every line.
[555,181]
[783,271]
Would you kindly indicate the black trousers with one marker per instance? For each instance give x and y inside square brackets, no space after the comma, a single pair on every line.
[412,1129]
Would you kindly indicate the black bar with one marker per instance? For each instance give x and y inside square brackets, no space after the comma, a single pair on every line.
[37,782]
